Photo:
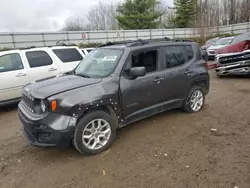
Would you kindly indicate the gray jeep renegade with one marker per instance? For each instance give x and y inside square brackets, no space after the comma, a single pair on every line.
[116,84]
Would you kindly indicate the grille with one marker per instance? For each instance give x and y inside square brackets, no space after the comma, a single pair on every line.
[28,101]
[212,52]
[234,58]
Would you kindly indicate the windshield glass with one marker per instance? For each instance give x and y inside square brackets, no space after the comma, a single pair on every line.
[211,41]
[241,38]
[224,41]
[99,63]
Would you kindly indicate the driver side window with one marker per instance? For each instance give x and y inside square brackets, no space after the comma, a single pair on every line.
[143,59]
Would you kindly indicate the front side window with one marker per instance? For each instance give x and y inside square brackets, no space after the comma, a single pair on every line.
[10,62]
[145,59]
[68,55]
[99,63]
[38,59]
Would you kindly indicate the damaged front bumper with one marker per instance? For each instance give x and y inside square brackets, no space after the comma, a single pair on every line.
[239,68]
[46,131]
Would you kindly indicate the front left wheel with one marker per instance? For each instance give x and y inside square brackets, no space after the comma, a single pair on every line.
[94,133]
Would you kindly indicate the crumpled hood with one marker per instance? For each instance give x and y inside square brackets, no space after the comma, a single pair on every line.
[52,86]
[239,47]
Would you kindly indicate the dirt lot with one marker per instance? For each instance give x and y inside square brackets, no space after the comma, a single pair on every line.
[173,149]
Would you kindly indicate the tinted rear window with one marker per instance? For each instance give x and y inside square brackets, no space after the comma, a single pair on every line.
[38,59]
[68,55]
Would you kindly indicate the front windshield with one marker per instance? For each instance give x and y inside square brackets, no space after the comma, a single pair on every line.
[211,41]
[241,38]
[224,41]
[99,63]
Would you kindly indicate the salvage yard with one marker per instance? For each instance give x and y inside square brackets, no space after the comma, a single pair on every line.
[209,149]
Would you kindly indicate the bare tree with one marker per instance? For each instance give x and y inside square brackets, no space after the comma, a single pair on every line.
[76,24]
[102,17]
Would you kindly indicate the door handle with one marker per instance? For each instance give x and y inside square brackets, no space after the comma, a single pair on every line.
[158,80]
[21,74]
[52,69]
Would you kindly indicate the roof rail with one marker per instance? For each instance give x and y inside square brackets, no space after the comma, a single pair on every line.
[26,48]
[181,40]
[131,43]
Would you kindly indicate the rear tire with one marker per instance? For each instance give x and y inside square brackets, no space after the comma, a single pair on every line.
[195,100]
[94,133]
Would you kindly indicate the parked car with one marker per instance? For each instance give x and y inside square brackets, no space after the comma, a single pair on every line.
[115,85]
[222,42]
[235,58]
[87,50]
[209,43]
[20,67]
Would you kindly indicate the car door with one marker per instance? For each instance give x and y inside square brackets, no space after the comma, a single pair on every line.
[142,96]
[13,74]
[67,58]
[178,61]
[41,65]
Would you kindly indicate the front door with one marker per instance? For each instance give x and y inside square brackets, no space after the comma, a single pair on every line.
[13,76]
[143,95]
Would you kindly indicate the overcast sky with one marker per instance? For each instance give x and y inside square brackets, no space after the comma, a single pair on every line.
[42,15]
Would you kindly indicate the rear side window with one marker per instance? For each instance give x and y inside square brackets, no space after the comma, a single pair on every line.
[68,55]
[178,55]
[10,62]
[38,59]
[189,51]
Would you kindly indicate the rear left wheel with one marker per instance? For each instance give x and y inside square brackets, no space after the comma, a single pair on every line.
[195,100]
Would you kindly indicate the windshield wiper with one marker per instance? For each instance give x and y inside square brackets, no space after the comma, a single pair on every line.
[83,75]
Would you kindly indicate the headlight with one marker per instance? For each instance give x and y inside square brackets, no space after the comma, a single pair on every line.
[43,106]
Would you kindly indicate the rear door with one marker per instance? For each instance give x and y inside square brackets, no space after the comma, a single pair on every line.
[67,58]
[13,74]
[178,64]
[40,64]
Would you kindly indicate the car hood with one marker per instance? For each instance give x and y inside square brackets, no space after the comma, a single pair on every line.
[234,48]
[52,86]
[216,47]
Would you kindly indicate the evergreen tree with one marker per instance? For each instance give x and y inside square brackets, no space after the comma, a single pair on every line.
[185,11]
[139,14]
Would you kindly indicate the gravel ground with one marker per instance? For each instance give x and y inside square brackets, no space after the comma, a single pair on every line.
[209,149]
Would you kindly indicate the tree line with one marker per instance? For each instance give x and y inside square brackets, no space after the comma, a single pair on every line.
[156,14]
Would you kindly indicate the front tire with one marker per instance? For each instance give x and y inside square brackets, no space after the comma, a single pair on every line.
[194,102]
[94,133]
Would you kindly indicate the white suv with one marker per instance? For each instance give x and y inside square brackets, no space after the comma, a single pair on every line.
[20,67]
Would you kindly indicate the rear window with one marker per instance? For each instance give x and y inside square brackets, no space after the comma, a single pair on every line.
[68,55]
[38,59]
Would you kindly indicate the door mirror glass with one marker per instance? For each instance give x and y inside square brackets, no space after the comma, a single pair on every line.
[137,72]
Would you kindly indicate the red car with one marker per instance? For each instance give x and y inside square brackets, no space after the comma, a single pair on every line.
[235,58]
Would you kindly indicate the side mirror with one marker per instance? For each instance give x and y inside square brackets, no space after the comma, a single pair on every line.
[137,72]
[204,55]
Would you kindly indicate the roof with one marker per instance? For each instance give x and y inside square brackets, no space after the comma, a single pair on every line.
[139,44]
